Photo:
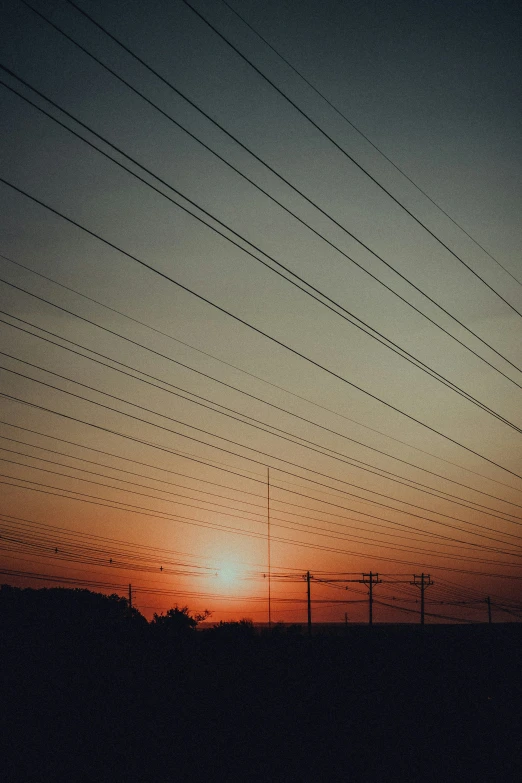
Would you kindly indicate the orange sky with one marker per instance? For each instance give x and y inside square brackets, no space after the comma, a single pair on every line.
[152,370]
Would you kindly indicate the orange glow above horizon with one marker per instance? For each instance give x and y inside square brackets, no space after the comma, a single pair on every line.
[154,371]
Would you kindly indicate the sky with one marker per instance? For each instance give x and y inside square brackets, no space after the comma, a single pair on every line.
[256,304]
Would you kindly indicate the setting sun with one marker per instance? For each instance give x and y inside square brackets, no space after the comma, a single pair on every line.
[228,574]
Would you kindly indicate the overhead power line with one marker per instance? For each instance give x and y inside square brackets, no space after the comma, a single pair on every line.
[344,313]
[285,181]
[151,589]
[258,424]
[428,614]
[133,509]
[381,522]
[248,448]
[129,472]
[150,551]
[223,310]
[376,521]
[235,388]
[173,592]
[112,545]
[133,483]
[258,514]
[446,541]
[338,147]
[302,527]
[366,138]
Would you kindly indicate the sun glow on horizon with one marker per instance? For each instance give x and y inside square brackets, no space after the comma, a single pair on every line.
[228,574]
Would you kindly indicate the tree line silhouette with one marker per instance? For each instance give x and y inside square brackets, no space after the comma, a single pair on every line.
[92,691]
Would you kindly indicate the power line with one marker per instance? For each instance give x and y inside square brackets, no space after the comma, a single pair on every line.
[214,525]
[69,554]
[364,136]
[216,380]
[481,535]
[127,459]
[347,316]
[59,534]
[171,592]
[323,531]
[130,508]
[285,489]
[232,442]
[134,484]
[389,523]
[282,179]
[428,614]
[338,147]
[56,544]
[165,591]
[117,560]
[235,388]
[372,516]
[252,327]
[416,532]
[328,452]
[127,471]
[109,542]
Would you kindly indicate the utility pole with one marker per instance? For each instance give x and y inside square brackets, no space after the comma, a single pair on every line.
[423,581]
[308,578]
[130,598]
[268,541]
[370,580]
[488,601]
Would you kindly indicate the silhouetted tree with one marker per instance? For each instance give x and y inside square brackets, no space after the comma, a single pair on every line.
[177,622]
[68,609]
[242,629]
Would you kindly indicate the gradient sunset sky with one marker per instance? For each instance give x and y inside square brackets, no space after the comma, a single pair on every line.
[147,462]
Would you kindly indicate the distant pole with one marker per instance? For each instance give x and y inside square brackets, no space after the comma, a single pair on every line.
[130,596]
[423,581]
[309,603]
[369,580]
[346,619]
[269,565]
[488,601]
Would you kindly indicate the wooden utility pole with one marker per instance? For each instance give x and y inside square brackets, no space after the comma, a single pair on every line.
[308,578]
[269,565]
[369,580]
[423,581]
[488,601]
[130,598]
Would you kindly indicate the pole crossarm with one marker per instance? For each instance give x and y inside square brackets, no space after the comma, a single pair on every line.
[308,577]
[422,582]
[370,580]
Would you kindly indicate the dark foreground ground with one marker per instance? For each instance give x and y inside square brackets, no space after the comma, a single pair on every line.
[84,699]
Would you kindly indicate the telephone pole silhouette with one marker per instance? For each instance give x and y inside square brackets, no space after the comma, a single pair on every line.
[268,545]
[423,581]
[308,578]
[370,580]
[488,601]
